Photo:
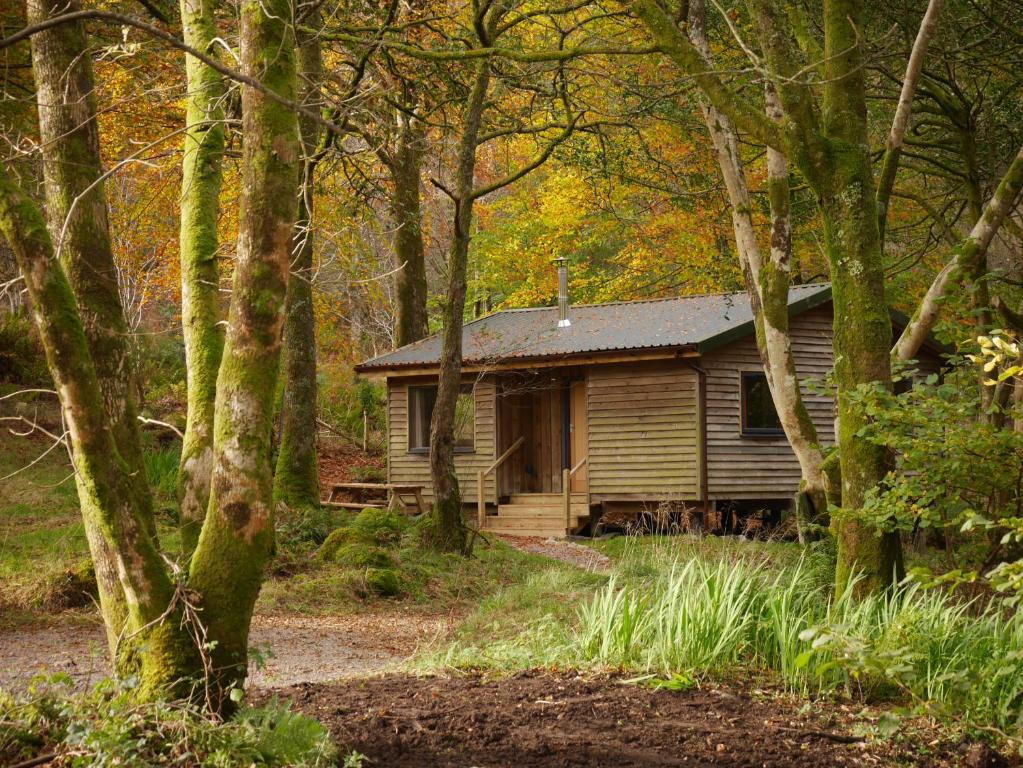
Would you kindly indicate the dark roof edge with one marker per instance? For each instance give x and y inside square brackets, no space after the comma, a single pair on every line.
[804,304]
[412,368]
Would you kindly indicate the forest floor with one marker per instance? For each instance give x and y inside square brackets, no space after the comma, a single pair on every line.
[357,663]
[286,650]
[541,718]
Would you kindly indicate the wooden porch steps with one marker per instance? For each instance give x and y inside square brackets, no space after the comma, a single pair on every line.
[537,514]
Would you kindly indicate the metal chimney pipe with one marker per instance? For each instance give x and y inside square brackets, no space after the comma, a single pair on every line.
[562,264]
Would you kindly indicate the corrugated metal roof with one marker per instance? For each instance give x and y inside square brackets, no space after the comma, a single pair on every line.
[699,322]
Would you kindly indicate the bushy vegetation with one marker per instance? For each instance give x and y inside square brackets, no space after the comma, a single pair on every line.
[375,555]
[108,726]
[21,355]
[956,481]
[672,608]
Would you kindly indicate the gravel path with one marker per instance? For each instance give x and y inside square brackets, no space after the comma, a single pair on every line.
[559,549]
[295,649]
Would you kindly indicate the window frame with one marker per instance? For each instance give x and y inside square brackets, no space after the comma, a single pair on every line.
[767,433]
[465,389]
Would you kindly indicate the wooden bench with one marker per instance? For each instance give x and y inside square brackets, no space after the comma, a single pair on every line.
[392,492]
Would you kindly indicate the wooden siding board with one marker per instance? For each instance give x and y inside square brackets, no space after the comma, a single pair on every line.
[643,430]
[405,467]
[741,467]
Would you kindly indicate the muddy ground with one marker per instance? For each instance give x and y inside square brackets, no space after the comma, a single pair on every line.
[290,649]
[547,719]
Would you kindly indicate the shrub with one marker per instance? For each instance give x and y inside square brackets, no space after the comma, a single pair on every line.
[107,726]
[339,538]
[383,581]
[357,555]
[73,588]
[382,525]
[21,355]
[305,525]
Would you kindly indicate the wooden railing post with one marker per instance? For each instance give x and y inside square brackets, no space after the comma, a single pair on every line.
[481,498]
[566,495]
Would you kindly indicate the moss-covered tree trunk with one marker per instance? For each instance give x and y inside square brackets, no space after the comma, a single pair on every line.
[406,213]
[447,530]
[296,480]
[862,325]
[148,638]
[77,217]
[827,139]
[201,174]
[237,535]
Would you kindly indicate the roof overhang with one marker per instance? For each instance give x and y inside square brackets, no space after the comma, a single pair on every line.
[539,361]
[812,301]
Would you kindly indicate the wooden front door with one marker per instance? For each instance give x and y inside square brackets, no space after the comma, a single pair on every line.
[578,445]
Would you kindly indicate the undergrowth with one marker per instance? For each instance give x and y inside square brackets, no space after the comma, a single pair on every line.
[108,726]
[710,610]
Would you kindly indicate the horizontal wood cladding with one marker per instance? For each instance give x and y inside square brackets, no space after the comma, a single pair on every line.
[744,467]
[643,423]
[405,467]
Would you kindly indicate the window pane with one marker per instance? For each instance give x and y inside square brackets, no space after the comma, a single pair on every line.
[421,402]
[759,414]
[465,420]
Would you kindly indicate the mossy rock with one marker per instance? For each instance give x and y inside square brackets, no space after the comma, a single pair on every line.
[383,581]
[358,555]
[341,537]
[383,525]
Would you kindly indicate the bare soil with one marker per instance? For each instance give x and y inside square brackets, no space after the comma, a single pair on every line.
[569,552]
[291,649]
[547,719]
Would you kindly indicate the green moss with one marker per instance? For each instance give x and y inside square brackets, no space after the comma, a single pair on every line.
[339,538]
[381,525]
[383,581]
[357,555]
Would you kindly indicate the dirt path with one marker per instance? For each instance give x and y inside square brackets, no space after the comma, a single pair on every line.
[559,549]
[294,648]
[539,719]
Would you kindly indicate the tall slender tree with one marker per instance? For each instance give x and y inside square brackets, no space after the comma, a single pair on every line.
[201,176]
[827,139]
[296,480]
[156,624]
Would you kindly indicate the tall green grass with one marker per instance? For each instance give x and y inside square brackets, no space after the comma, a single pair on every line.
[162,469]
[954,658]
[666,610]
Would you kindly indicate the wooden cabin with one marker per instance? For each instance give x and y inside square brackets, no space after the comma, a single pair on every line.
[570,413]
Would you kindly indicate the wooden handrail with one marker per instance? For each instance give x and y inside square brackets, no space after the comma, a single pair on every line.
[566,491]
[501,459]
[481,479]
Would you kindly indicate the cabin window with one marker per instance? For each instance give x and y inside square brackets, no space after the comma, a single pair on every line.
[759,416]
[421,401]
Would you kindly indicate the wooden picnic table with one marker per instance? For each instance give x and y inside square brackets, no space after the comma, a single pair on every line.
[391,491]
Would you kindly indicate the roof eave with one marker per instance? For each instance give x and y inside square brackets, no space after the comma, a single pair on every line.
[805,304]
[511,363]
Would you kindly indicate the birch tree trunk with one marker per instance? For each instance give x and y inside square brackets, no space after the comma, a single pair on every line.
[829,144]
[767,282]
[406,213]
[447,530]
[77,217]
[237,535]
[296,479]
[968,252]
[201,175]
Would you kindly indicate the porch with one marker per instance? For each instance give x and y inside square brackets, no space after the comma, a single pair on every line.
[540,485]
